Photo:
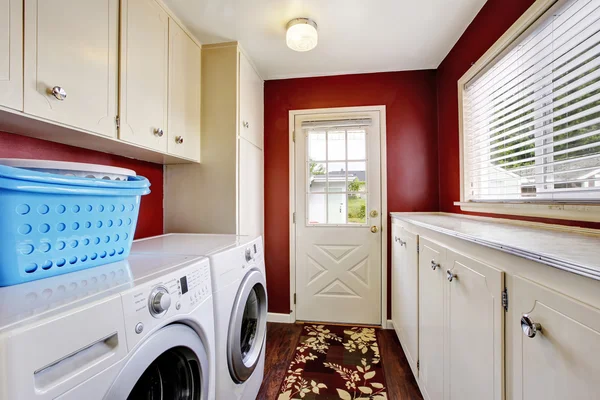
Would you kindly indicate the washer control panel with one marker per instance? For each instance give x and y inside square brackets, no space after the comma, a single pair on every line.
[169,295]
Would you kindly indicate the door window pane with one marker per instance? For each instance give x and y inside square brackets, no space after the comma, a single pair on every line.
[317,213]
[317,146]
[357,176]
[317,177]
[336,145]
[337,176]
[357,208]
[336,208]
[357,145]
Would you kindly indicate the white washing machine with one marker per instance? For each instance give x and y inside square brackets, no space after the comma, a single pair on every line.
[137,329]
[240,299]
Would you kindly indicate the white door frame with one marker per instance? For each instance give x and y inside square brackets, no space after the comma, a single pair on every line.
[384,214]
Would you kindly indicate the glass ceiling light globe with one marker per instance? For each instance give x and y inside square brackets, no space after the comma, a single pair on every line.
[302,34]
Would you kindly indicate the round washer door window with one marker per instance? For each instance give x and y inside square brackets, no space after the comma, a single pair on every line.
[175,374]
[172,364]
[247,328]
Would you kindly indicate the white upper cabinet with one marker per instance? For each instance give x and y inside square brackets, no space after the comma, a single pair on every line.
[251,103]
[144,74]
[71,52]
[558,360]
[184,94]
[405,293]
[11,54]
[475,329]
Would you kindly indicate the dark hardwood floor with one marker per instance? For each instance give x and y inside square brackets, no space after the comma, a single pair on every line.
[281,345]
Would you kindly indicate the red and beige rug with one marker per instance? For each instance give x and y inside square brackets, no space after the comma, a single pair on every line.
[335,362]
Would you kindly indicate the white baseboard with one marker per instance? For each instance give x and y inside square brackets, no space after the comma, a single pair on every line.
[281,318]
[389,324]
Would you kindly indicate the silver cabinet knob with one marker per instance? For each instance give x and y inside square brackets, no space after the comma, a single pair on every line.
[434,265]
[159,301]
[450,276]
[529,327]
[179,139]
[59,93]
[158,132]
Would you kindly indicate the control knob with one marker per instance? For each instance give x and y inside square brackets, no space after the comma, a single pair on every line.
[159,301]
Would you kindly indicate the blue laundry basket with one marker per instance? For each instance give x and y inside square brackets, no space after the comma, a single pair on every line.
[54,224]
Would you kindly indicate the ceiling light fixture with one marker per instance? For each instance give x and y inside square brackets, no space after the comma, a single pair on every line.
[302,34]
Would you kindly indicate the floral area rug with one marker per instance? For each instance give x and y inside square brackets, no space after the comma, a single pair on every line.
[335,362]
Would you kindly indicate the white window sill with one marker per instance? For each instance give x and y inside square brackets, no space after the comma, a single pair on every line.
[575,212]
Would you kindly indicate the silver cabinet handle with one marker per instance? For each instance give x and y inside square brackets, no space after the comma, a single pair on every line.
[434,265]
[158,132]
[529,327]
[450,276]
[59,93]
[398,240]
[246,124]
[179,139]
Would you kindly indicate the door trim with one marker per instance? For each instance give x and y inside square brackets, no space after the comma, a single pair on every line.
[384,214]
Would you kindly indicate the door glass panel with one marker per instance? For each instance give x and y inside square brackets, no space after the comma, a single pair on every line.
[175,374]
[336,145]
[357,145]
[357,176]
[249,323]
[317,212]
[337,176]
[317,150]
[357,208]
[317,177]
[336,208]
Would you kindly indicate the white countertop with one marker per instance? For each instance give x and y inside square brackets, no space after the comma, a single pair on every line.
[575,250]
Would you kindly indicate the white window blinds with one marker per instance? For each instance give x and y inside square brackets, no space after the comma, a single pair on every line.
[531,120]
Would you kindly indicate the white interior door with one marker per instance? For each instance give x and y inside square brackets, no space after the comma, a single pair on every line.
[338,218]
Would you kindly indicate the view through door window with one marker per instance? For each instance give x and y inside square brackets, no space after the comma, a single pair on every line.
[337,176]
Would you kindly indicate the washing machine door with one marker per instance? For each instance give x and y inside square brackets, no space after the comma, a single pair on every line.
[172,364]
[247,327]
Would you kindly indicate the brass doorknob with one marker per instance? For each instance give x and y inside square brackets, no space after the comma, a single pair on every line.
[374,229]
[374,213]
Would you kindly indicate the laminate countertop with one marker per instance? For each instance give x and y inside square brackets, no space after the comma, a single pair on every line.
[575,250]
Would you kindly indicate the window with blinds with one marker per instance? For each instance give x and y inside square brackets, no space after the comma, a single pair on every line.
[531,119]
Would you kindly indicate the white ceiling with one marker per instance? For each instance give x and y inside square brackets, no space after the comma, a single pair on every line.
[355,36]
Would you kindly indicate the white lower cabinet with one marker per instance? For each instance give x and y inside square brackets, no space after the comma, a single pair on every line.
[475,345]
[474,329]
[561,360]
[431,319]
[405,293]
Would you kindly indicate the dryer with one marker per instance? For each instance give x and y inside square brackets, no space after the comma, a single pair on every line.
[141,328]
[240,300]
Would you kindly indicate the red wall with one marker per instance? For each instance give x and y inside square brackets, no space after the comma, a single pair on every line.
[493,20]
[150,220]
[410,100]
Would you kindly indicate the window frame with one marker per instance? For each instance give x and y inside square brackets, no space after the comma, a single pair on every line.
[580,211]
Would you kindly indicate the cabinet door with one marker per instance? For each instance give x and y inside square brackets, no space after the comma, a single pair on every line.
[251,103]
[475,329]
[144,74]
[432,286]
[11,54]
[184,94]
[405,293]
[71,49]
[561,361]
[251,189]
